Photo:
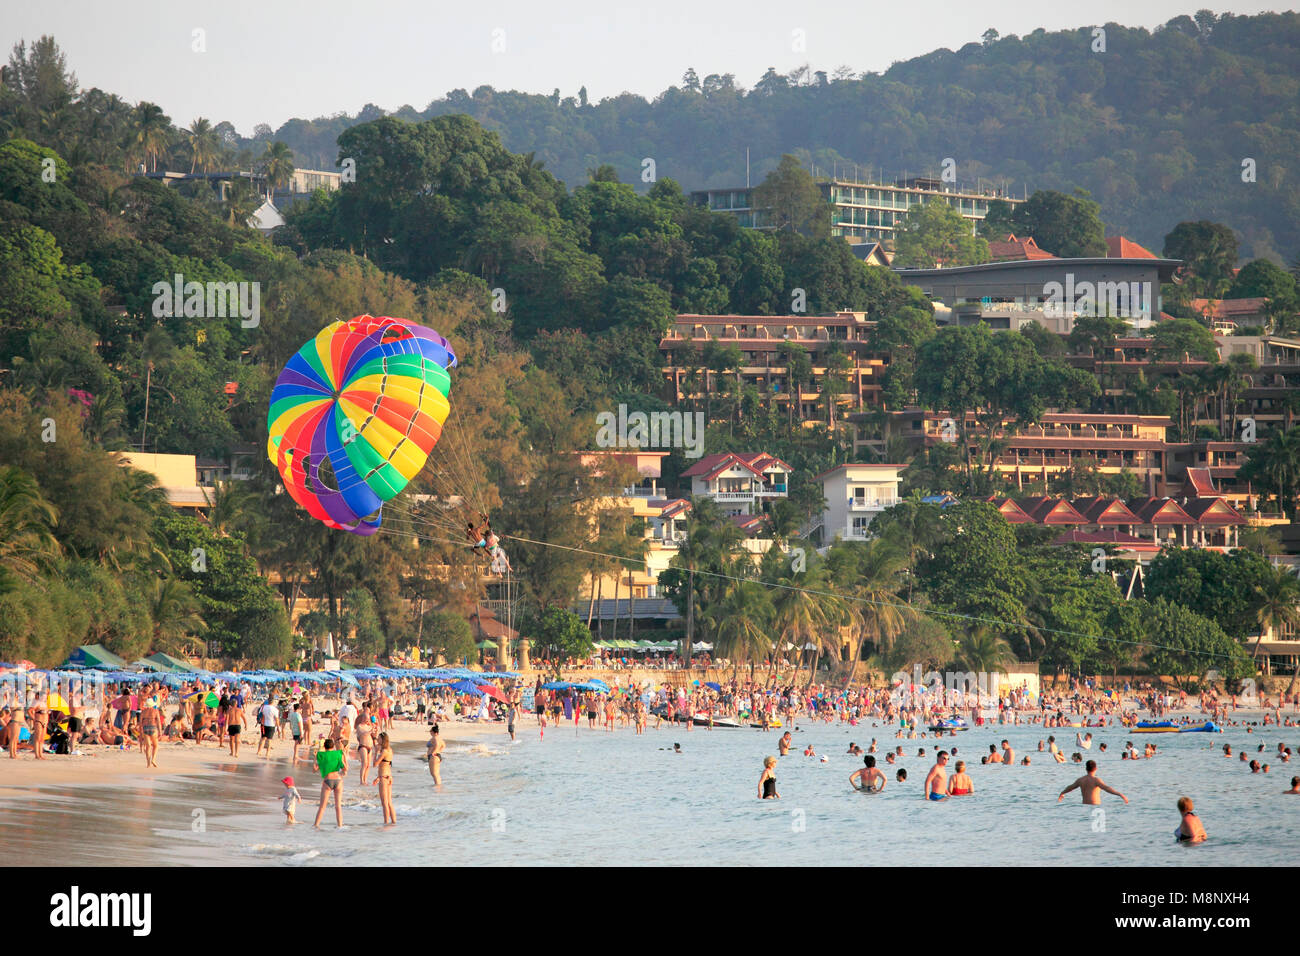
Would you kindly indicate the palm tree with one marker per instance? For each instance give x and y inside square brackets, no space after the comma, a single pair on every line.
[984,652]
[156,349]
[152,132]
[743,632]
[174,610]
[1276,598]
[27,542]
[204,145]
[802,617]
[277,164]
[873,598]
[241,202]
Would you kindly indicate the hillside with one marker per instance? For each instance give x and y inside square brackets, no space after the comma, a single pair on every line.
[1155,126]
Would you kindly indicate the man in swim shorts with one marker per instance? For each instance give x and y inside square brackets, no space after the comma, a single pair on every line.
[936,782]
[1090,786]
[869,778]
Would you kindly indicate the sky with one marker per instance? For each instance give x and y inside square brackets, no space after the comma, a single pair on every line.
[271,60]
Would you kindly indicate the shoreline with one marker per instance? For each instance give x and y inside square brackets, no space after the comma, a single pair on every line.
[107,766]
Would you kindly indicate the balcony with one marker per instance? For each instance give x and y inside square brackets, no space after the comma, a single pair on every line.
[772,491]
[854,532]
[872,504]
[731,495]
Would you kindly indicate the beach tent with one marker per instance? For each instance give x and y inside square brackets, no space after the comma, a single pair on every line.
[166,663]
[94,655]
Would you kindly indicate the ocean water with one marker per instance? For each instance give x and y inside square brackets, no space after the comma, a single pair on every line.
[584,796]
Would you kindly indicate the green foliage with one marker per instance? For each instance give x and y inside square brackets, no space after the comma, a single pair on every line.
[935,234]
[1220,587]
[1186,644]
[558,633]
[1066,226]
[449,635]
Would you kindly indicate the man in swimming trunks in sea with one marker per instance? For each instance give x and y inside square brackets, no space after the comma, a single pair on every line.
[936,782]
[869,778]
[1008,755]
[1090,786]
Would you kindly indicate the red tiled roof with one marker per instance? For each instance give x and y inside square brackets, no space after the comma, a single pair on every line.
[1012,249]
[1102,511]
[1012,511]
[1118,247]
[1160,511]
[1200,484]
[1107,536]
[1045,510]
[1229,308]
[710,466]
[1212,511]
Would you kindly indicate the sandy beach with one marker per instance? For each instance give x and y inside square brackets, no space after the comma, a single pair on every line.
[104,766]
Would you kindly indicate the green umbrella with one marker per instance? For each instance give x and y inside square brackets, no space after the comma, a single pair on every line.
[486,645]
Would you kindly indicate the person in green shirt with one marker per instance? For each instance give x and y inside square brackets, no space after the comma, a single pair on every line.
[333,765]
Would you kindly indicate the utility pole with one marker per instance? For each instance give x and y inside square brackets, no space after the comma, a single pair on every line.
[690,613]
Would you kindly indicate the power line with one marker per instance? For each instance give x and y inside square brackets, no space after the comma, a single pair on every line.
[933,612]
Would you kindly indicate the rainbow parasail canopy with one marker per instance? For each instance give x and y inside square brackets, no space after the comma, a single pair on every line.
[355,414]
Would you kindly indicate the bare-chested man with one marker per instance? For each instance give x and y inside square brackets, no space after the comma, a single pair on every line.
[1090,786]
[1008,755]
[936,781]
[869,778]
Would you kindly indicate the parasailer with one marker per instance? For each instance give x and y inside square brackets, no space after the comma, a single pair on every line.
[355,414]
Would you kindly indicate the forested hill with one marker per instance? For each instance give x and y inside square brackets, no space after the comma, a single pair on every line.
[1156,127]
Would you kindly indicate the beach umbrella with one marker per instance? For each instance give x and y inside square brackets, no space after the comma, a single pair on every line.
[598,684]
[715,686]
[493,691]
[556,685]
[466,687]
[486,645]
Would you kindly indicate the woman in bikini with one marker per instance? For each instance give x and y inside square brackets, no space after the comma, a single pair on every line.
[436,745]
[333,765]
[384,778]
[364,744]
[151,720]
[960,784]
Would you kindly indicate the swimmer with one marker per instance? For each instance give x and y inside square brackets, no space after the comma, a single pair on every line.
[901,776]
[1295,786]
[994,756]
[1025,762]
[1054,750]
[1008,755]
[767,780]
[809,752]
[1085,741]
[1090,786]
[1190,830]
[869,776]
[936,781]
[783,745]
[960,785]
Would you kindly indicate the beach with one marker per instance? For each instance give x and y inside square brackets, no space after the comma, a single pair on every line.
[577,794]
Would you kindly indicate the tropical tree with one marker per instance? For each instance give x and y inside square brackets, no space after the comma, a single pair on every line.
[984,652]
[27,520]
[1276,600]
[152,132]
[803,617]
[743,633]
[204,144]
[174,611]
[277,165]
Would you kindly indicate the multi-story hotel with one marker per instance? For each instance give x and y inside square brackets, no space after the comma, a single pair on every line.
[760,339]
[863,211]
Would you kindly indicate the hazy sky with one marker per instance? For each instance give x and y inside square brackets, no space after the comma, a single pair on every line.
[270,60]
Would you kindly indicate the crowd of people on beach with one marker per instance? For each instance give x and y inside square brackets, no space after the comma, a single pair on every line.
[356,730]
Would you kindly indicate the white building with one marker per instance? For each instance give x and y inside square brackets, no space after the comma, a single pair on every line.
[739,482]
[854,495]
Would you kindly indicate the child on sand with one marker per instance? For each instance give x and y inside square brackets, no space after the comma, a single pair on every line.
[291,798]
